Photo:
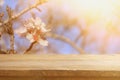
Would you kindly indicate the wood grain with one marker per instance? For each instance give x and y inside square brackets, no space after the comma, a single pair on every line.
[57,67]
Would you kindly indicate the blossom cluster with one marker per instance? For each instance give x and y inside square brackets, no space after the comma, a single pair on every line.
[34,30]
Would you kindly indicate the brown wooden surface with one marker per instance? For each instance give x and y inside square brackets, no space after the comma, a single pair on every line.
[57,67]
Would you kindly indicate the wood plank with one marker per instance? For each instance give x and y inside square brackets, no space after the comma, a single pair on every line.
[60,62]
[57,67]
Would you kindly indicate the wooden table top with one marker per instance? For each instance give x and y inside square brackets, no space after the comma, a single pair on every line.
[55,66]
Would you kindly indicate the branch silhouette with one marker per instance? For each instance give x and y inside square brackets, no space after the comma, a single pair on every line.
[65,40]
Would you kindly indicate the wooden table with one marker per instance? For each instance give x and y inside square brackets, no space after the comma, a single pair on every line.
[59,67]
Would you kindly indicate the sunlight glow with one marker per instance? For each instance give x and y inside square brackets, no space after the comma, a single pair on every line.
[103,8]
[99,14]
[102,13]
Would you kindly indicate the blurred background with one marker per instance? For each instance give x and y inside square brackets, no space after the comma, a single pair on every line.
[92,26]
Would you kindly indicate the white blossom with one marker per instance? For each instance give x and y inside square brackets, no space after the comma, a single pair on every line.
[34,30]
[43,29]
[30,37]
[43,42]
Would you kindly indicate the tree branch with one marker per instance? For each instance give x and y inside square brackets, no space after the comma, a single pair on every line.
[65,40]
[21,13]
[6,25]
[30,47]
